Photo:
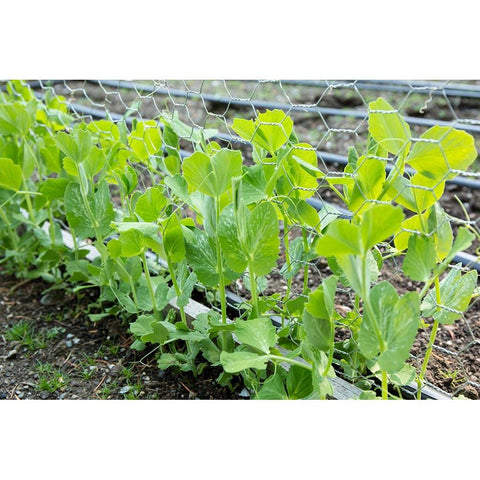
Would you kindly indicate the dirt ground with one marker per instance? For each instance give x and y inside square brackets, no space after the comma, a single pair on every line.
[63,355]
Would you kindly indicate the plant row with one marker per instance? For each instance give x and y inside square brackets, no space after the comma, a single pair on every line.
[201,223]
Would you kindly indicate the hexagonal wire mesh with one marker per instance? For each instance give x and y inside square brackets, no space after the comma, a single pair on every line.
[329,116]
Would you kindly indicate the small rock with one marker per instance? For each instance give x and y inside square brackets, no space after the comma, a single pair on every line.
[76,341]
[19,394]
[125,389]
[11,354]
[244,393]
[92,368]
[69,336]
[68,343]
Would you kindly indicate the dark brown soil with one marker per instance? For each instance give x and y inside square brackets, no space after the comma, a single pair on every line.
[87,360]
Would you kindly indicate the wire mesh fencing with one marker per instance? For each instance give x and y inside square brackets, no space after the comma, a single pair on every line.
[329,117]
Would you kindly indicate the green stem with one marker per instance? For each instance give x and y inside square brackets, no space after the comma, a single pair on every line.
[291,361]
[11,232]
[149,284]
[177,288]
[305,268]
[368,306]
[384,385]
[29,205]
[253,288]
[371,314]
[330,353]
[221,275]
[431,342]
[51,227]
[286,243]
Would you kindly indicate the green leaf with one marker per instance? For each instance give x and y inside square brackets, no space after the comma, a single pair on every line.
[253,184]
[321,302]
[145,139]
[462,241]
[420,258]
[455,294]
[15,119]
[272,389]
[388,129]
[202,257]
[255,236]
[299,382]
[369,180]
[173,239]
[186,287]
[379,222]
[150,204]
[76,145]
[149,329]
[226,164]
[258,333]
[416,194]
[237,361]
[450,149]
[10,175]
[433,221]
[87,222]
[198,172]
[190,132]
[302,212]
[397,320]
[145,228]
[212,176]
[53,188]
[318,316]
[341,238]
[270,130]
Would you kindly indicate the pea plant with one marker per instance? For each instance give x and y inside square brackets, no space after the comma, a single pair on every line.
[212,218]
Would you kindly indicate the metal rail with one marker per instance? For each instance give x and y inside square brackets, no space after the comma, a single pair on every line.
[401,86]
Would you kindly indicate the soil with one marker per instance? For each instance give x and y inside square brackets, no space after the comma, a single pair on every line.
[84,360]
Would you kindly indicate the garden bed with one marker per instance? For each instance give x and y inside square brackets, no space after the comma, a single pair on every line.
[151,221]
[58,353]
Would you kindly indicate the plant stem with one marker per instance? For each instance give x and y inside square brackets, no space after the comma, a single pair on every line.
[253,288]
[29,204]
[291,361]
[330,352]
[221,276]
[431,342]
[371,314]
[305,267]
[149,283]
[286,244]
[177,288]
[384,385]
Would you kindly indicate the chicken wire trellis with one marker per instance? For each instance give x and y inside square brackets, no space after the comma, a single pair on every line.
[329,116]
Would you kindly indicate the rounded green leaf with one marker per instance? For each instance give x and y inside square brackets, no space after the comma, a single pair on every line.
[388,128]
[441,149]
[150,204]
[258,333]
[10,175]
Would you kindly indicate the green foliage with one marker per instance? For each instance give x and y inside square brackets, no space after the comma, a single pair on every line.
[55,170]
